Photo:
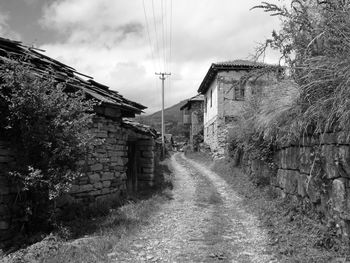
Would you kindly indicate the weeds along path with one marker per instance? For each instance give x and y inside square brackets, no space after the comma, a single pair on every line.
[203,222]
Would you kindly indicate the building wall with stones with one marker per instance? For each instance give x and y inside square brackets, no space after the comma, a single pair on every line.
[11,213]
[106,172]
[193,121]
[316,169]
[105,169]
[220,116]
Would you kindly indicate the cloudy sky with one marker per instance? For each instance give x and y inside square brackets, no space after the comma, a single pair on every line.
[122,43]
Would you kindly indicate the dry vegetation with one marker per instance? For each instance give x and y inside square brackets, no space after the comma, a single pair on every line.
[90,234]
[296,233]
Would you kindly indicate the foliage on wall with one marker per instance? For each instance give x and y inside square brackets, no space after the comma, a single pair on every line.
[47,127]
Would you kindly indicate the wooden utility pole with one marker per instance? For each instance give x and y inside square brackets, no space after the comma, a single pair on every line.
[162,77]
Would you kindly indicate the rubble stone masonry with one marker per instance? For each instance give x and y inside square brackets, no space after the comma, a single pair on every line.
[316,169]
[104,168]
[10,212]
[104,173]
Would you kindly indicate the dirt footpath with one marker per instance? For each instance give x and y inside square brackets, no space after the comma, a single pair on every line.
[204,222]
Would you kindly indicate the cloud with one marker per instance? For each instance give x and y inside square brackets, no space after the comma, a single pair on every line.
[109,40]
[5,30]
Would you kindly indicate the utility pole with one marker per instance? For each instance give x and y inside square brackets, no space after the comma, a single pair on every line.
[162,77]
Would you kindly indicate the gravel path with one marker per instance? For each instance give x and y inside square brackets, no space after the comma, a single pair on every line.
[204,222]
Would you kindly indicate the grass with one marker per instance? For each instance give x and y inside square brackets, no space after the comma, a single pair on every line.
[90,236]
[296,232]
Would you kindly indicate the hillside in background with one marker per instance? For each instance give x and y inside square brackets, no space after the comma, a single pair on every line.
[173,120]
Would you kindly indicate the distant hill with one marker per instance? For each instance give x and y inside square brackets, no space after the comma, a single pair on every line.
[172,117]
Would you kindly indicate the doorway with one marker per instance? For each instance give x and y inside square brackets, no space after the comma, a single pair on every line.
[132,168]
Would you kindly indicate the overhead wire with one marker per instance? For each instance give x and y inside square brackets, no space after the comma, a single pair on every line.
[148,33]
[163,35]
[156,34]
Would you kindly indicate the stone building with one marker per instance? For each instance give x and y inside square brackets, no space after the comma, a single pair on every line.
[192,116]
[224,96]
[124,161]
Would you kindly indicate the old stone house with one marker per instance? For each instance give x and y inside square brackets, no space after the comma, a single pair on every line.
[192,116]
[124,161]
[224,96]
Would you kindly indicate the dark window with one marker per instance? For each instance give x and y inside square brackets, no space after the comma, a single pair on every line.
[239,92]
[211,98]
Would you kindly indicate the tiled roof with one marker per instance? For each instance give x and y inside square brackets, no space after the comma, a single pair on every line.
[198,97]
[47,67]
[238,64]
[139,128]
[241,63]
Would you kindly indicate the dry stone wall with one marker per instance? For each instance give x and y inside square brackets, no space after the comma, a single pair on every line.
[104,173]
[146,162]
[105,166]
[316,169]
[11,213]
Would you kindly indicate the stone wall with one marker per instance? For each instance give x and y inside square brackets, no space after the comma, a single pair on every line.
[105,172]
[146,162]
[104,168]
[316,169]
[11,214]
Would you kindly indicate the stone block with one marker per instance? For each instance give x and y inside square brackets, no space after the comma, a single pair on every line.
[339,195]
[330,155]
[4,190]
[4,210]
[145,148]
[106,183]
[4,225]
[116,153]
[120,148]
[288,180]
[86,188]
[145,142]
[148,154]
[96,167]
[328,138]
[305,141]
[314,189]
[111,140]
[5,152]
[344,160]
[6,159]
[96,192]
[302,182]
[306,157]
[343,138]
[74,189]
[147,170]
[94,178]
[98,185]
[105,191]
[142,161]
[64,199]
[107,176]
[148,165]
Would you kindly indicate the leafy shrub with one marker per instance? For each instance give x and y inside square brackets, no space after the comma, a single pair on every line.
[48,127]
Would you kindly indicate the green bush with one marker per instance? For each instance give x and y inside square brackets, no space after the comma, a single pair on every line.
[47,125]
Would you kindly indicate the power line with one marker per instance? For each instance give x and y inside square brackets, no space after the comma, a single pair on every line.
[149,36]
[171,32]
[166,35]
[156,33]
[163,33]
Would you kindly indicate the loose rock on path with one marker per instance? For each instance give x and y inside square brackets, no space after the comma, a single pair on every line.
[204,222]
